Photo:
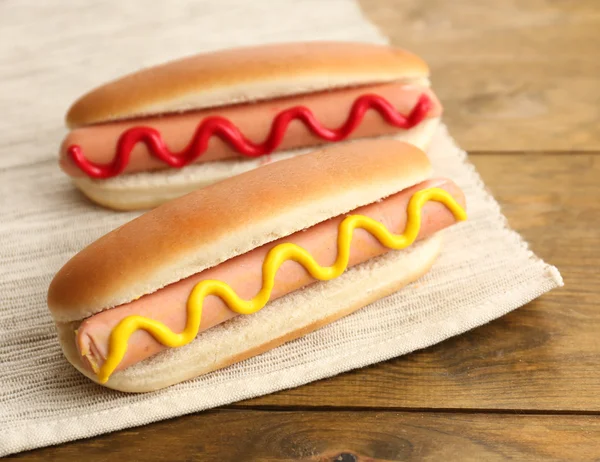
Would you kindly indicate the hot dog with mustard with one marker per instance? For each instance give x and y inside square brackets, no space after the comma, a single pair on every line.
[246,264]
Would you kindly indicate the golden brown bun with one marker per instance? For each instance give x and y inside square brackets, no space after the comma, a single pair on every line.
[244,74]
[283,320]
[214,224]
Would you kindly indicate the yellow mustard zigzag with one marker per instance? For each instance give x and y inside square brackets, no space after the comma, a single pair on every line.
[275,258]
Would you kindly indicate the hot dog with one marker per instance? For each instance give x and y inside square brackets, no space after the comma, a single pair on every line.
[343,205]
[164,131]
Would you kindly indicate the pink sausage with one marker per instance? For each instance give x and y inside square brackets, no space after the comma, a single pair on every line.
[98,142]
[243,273]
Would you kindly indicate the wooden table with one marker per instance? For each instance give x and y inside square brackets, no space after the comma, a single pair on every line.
[520,83]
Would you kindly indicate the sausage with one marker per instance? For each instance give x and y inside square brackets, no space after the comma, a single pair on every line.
[98,142]
[244,274]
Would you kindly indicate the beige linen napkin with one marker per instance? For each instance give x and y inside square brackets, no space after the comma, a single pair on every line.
[50,54]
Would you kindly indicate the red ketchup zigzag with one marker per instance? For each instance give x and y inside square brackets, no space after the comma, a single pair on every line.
[228,132]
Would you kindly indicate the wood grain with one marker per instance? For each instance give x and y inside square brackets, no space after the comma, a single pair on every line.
[513,75]
[544,356]
[342,436]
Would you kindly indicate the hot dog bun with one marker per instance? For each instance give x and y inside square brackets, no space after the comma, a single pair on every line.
[229,218]
[244,75]
[226,219]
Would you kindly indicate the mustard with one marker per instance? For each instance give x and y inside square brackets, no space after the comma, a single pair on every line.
[275,258]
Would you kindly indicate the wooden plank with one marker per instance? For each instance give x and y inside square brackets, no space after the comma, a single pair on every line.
[512,74]
[545,355]
[342,436]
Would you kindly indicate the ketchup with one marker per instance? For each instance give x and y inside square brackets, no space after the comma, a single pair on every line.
[228,132]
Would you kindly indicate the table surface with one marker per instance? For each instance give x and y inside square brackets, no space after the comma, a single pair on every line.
[521,87]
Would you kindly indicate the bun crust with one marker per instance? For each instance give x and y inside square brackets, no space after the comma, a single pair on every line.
[244,74]
[214,224]
[281,321]
[146,190]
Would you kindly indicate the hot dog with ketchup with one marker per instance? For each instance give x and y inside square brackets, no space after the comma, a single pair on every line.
[249,263]
[164,131]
